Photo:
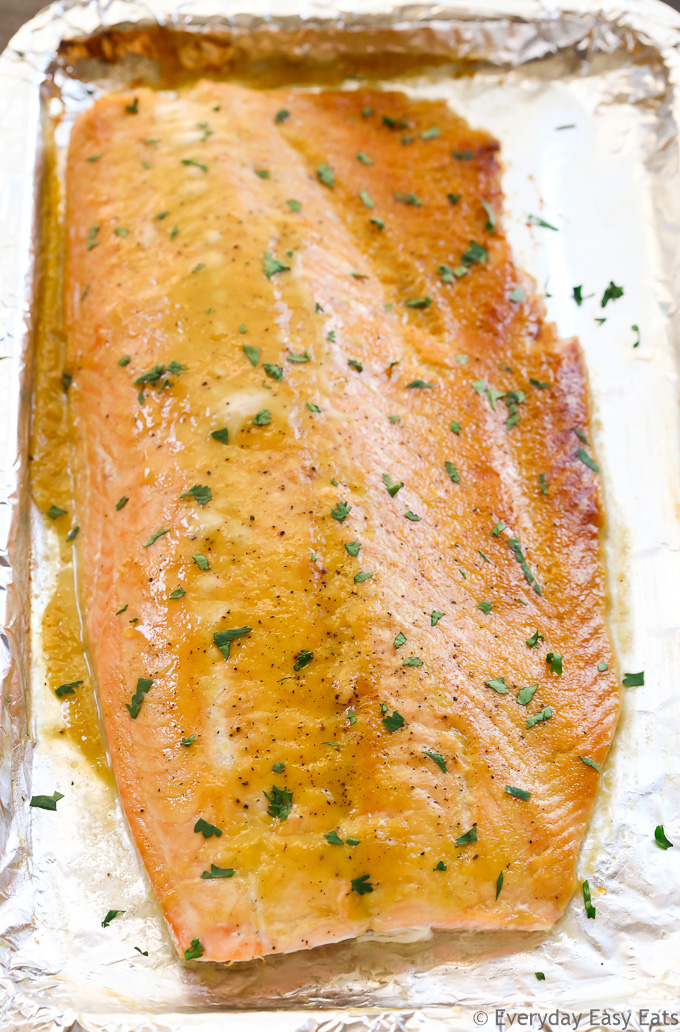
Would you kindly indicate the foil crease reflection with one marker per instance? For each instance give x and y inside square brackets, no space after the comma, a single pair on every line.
[614,189]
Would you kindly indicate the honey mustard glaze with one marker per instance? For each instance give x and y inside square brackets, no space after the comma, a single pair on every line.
[61,632]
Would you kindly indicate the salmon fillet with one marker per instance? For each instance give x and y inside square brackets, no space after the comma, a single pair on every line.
[339,552]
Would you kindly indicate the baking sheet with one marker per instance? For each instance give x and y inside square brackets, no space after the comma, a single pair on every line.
[610,185]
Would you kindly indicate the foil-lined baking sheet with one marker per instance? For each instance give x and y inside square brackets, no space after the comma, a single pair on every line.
[584,101]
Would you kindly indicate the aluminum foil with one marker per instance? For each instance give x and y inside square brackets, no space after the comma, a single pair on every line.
[585,102]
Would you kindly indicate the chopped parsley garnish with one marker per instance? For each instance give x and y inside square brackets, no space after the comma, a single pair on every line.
[377,222]
[206,829]
[186,742]
[408,199]
[201,561]
[153,377]
[354,364]
[124,360]
[660,838]
[67,379]
[325,174]
[333,838]
[263,173]
[156,534]
[441,866]
[54,512]
[435,617]
[634,680]
[518,793]
[395,123]
[590,909]
[262,418]
[534,639]
[539,718]
[583,455]
[303,658]
[542,483]
[294,205]
[578,295]
[419,383]
[430,134]
[362,885]
[280,802]
[94,157]
[121,232]
[111,913]
[252,354]
[484,606]
[540,977]
[278,767]
[455,427]
[200,492]
[351,716]
[538,384]
[590,763]
[360,577]
[272,265]
[519,556]
[517,295]
[302,356]
[412,517]
[603,665]
[611,293]
[221,435]
[223,639]
[636,330]
[72,534]
[453,198]
[312,407]
[135,704]
[67,689]
[46,802]
[91,240]
[536,221]
[498,684]
[418,302]
[500,526]
[123,609]
[219,872]
[367,199]
[453,472]
[438,759]
[177,593]
[281,116]
[341,511]
[484,557]
[352,548]
[364,158]
[194,951]
[197,268]
[196,164]
[468,837]
[555,661]
[447,274]
[525,695]
[465,155]
[272,370]
[499,884]
[133,107]
[490,224]
[413,661]
[393,721]
[479,386]
[394,419]
[392,486]
[474,253]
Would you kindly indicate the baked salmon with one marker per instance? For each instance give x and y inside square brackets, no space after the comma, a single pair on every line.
[340,519]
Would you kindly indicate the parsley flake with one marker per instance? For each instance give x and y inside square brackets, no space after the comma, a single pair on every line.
[453,472]
[468,837]
[156,534]
[377,222]
[360,577]
[474,253]
[280,802]
[435,617]
[333,838]
[499,884]
[341,511]
[221,435]
[412,661]
[517,295]
[555,661]
[219,872]
[135,704]
[367,199]
[441,866]
[661,839]
[278,767]
[110,916]
[518,793]
[455,427]
[590,763]
[603,665]
[534,639]
[590,909]
[545,714]
[186,742]
[72,534]
[325,174]
[525,695]
[362,885]
[393,721]
[408,199]
[195,164]
[634,680]
[583,455]
[177,593]
[419,383]
[355,365]
[67,689]
[312,406]
[418,302]
[438,759]
[465,155]
[201,561]
[412,517]
[536,221]
[498,684]
[484,606]
[272,370]
[206,829]
[281,116]
[490,224]
[303,658]
[193,951]
[223,639]
[352,548]
[200,492]
[453,198]
[45,802]
[272,265]
[262,418]
[392,486]
[54,512]
[612,293]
